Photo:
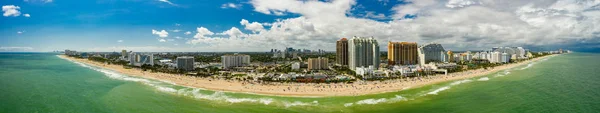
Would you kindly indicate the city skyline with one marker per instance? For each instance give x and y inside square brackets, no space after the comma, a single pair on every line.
[260,25]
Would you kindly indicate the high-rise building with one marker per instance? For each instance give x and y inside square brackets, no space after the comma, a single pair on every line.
[235,60]
[185,63]
[496,57]
[431,53]
[402,53]
[363,52]
[341,56]
[450,56]
[318,63]
[123,54]
[136,59]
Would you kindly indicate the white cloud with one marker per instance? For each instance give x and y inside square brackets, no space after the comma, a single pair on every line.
[254,26]
[231,5]
[11,10]
[26,15]
[16,48]
[460,3]
[176,30]
[20,32]
[187,33]
[202,31]
[458,24]
[119,41]
[47,1]
[162,40]
[162,33]
[233,33]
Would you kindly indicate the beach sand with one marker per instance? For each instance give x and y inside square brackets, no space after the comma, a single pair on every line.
[302,89]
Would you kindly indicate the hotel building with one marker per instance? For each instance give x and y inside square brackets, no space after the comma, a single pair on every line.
[318,63]
[185,63]
[235,60]
[402,53]
[341,52]
[363,52]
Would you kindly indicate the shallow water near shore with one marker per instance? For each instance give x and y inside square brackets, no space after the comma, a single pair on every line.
[40,82]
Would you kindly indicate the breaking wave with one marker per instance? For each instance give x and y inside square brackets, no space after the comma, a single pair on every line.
[483,79]
[371,101]
[168,87]
[435,92]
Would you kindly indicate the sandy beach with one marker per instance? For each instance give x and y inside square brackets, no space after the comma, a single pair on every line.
[302,89]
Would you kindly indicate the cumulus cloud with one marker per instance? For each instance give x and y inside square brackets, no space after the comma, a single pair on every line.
[457,24]
[188,33]
[254,26]
[162,40]
[162,33]
[176,30]
[231,5]
[26,15]
[460,3]
[202,34]
[11,10]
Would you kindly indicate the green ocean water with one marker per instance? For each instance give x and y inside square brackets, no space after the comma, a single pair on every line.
[42,82]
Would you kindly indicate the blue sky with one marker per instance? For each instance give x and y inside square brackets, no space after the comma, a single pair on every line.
[112,25]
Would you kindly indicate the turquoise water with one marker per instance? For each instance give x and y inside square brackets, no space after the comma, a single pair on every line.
[39,82]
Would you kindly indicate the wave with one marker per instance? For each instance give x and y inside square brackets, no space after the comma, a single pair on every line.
[528,66]
[483,79]
[168,87]
[435,92]
[460,82]
[371,101]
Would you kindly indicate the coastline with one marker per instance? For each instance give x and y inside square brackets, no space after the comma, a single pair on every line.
[302,89]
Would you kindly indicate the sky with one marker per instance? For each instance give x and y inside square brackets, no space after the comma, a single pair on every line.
[262,25]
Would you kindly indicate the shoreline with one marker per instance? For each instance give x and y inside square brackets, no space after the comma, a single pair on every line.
[301,89]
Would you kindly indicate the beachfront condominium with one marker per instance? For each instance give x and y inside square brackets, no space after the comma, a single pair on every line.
[318,63]
[432,52]
[185,63]
[123,54]
[341,50]
[136,59]
[450,56]
[235,60]
[363,52]
[402,53]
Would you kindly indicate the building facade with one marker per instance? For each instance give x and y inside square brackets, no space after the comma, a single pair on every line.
[185,63]
[363,52]
[341,56]
[431,53]
[402,53]
[235,60]
[318,63]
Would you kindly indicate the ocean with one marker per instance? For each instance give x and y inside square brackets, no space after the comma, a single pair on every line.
[43,82]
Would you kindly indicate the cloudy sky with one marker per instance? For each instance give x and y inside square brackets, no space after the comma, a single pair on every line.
[260,25]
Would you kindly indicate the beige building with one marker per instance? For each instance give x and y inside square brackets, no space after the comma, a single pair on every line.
[341,51]
[318,63]
[402,53]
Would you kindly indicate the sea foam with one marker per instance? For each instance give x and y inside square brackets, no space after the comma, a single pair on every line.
[165,86]
[435,92]
[483,79]
[396,98]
